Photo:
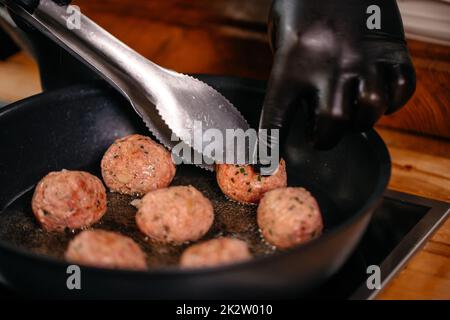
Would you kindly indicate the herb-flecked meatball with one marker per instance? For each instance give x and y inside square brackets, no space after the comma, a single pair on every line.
[241,183]
[136,164]
[175,214]
[289,216]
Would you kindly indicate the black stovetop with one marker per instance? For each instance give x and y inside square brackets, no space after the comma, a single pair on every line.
[399,226]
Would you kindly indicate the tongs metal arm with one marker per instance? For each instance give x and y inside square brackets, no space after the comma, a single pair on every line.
[113,60]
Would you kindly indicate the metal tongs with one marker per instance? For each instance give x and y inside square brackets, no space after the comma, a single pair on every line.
[168,102]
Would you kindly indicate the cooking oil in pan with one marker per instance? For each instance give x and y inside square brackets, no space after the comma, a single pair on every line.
[19,227]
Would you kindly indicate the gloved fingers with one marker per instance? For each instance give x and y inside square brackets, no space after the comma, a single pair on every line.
[333,113]
[282,95]
[402,84]
[372,99]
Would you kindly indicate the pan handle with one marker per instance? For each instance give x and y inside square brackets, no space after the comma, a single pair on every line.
[54,62]
[8,47]
[137,78]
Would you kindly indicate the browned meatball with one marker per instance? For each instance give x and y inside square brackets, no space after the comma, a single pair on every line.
[215,252]
[175,214]
[136,165]
[243,184]
[289,216]
[68,199]
[105,249]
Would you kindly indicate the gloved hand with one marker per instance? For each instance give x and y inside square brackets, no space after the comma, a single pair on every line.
[328,61]
[30,5]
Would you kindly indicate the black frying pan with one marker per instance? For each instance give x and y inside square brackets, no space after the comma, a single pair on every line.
[72,127]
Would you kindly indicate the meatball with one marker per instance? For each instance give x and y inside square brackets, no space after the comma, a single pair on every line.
[243,184]
[136,164]
[175,215]
[68,199]
[289,216]
[105,249]
[215,252]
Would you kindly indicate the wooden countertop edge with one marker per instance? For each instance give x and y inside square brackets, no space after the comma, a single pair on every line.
[421,166]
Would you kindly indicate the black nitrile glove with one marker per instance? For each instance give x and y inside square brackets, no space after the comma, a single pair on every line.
[328,61]
[30,5]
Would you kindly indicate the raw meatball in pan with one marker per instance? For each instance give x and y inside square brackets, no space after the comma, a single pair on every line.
[175,214]
[136,165]
[68,199]
[105,249]
[243,184]
[215,252]
[289,216]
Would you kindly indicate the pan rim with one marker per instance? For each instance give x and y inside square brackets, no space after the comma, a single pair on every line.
[99,87]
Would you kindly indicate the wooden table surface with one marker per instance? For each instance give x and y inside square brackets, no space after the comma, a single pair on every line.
[227,37]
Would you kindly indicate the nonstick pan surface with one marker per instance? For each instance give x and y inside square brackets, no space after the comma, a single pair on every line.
[72,128]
